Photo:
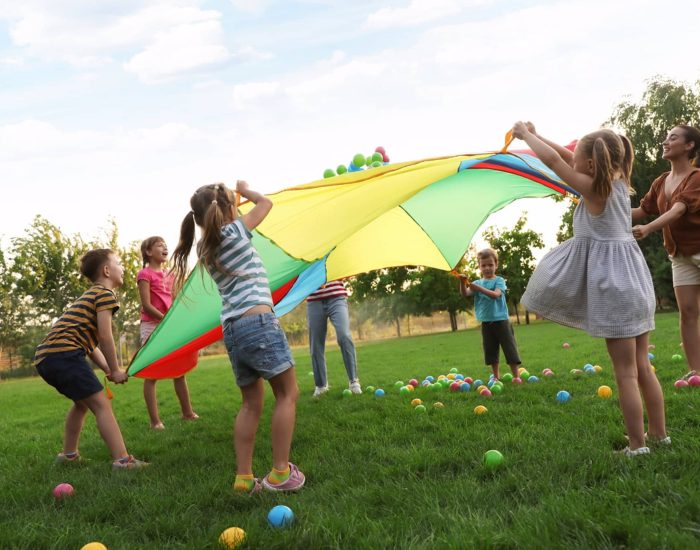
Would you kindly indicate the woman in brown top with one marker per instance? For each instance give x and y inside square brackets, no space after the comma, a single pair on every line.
[675,198]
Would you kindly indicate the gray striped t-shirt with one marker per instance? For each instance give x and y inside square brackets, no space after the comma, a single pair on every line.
[243,283]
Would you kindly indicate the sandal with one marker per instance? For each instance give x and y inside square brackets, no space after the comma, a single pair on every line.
[631,453]
[689,375]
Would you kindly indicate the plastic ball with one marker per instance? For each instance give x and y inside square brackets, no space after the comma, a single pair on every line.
[563,396]
[533,378]
[507,377]
[566,345]
[680,383]
[465,386]
[438,405]
[425,383]
[493,459]
[280,516]
[441,377]
[694,381]
[377,157]
[524,375]
[576,372]
[468,380]
[480,409]
[379,149]
[451,376]
[232,537]
[455,386]
[548,373]
[368,160]
[62,490]
[517,380]
[430,378]
[676,358]
[398,384]
[413,382]
[459,377]
[477,383]
[419,408]
[486,393]
[328,173]
[353,168]
[310,373]
[369,389]
[605,392]
[435,387]
[416,402]
[651,356]
[454,370]
[341,169]
[598,369]
[403,390]
[358,160]
[651,347]
[93,546]
[496,389]
[347,392]
[379,392]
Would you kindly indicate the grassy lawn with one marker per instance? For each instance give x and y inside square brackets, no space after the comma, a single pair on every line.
[379,475]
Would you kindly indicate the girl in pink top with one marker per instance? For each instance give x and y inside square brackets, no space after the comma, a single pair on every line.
[155,290]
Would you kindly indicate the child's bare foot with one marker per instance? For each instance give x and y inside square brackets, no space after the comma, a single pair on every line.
[193,416]
[158,426]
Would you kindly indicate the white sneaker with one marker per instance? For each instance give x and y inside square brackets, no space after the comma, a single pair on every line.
[320,390]
[355,387]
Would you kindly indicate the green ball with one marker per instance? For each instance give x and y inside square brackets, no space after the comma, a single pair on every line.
[676,358]
[404,390]
[311,373]
[377,157]
[341,169]
[524,375]
[493,459]
[399,383]
[358,160]
[419,408]
[454,370]
[328,173]
[497,388]
[507,377]
[375,164]
[436,386]
[347,392]
[445,381]
[368,160]
[369,389]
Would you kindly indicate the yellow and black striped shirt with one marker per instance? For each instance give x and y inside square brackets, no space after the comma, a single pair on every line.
[77,327]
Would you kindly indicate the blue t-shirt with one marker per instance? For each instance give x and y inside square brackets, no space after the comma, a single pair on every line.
[490,309]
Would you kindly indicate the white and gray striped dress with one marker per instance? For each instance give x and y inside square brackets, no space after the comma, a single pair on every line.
[598,280]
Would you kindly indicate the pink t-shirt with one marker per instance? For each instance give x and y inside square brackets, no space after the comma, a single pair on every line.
[161,284]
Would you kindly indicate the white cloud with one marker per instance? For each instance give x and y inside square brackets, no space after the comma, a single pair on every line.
[249,54]
[251,6]
[417,12]
[245,94]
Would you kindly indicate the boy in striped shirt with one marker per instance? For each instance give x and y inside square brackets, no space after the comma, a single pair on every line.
[60,359]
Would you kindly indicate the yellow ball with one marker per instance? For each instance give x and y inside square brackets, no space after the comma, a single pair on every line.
[442,377]
[416,402]
[438,405]
[451,376]
[232,537]
[604,392]
[410,387]
[480,409]
[653,368]
[521,370]
[597,368]
[94,546]
[480,389]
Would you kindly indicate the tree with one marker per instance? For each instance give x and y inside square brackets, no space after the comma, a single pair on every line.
[664,104]
[516,261]
[12,313]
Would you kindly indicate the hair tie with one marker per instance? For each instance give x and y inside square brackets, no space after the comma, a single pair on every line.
[191,212]
[214,202]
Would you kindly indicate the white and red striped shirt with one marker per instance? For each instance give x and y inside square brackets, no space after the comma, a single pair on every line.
[329,290]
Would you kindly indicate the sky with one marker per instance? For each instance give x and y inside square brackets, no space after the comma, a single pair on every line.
[122,108]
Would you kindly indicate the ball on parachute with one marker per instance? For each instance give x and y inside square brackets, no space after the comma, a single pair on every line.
[328,173]
[341,169]
[358,160]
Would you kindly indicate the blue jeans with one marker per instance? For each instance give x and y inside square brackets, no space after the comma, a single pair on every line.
[317,313]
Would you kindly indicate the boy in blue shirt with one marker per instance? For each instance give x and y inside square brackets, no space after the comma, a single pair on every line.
[491,310]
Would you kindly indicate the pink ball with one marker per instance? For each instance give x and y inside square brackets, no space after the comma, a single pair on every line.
[454,386]
[62,490]
[566,345]
[694,380]
[517,380]
[413,382]
[486,393]
[680,384]
[469,380]
[549,373]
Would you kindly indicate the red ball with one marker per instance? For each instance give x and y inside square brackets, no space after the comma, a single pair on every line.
[486,393]
[694,380]
[469,380]
[413,382]
[62,490]
[455,386]
[517,380]
[680,384]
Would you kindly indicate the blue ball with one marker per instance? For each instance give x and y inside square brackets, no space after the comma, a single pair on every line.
[533,378]
[459,377]
[477,383]
[491,382]
[464,387]
[425,383]
[651,356]
[431,379]
[587,366]
[353,168]
[280,516]
[379,392]
[563,396]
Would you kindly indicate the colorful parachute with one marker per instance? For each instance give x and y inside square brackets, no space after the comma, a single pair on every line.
[412,213]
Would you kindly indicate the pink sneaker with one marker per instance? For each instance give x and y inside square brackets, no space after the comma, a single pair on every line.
[294,482]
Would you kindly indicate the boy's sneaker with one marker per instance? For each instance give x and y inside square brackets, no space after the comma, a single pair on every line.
[62,458]
[355,387]
[663,442]
[320,390]
[629,453]
[294,482]
[129,463]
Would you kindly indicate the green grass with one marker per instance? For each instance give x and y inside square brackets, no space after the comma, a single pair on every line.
[378,474]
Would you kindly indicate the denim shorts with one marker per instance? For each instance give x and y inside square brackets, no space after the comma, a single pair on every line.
[257,347]
[70,373]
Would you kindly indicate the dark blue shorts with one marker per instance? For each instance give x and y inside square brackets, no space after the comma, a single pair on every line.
[70,373]
[257,347]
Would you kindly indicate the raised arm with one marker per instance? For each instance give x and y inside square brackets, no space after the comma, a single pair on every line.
[566,155]
[262,207]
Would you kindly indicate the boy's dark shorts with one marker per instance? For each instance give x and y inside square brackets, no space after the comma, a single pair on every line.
[495,334]
[70,373]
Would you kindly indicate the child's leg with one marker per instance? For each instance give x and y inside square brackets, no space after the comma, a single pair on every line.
[651,390]
[318,326]
[514,368]
[688,298]
[101,407]
[286,391]
[246,425]
[149,395]
[183,395]
[623,355]
[74,425]
[495,369]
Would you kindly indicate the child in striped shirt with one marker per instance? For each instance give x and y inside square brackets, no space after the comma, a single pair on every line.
[255,341]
